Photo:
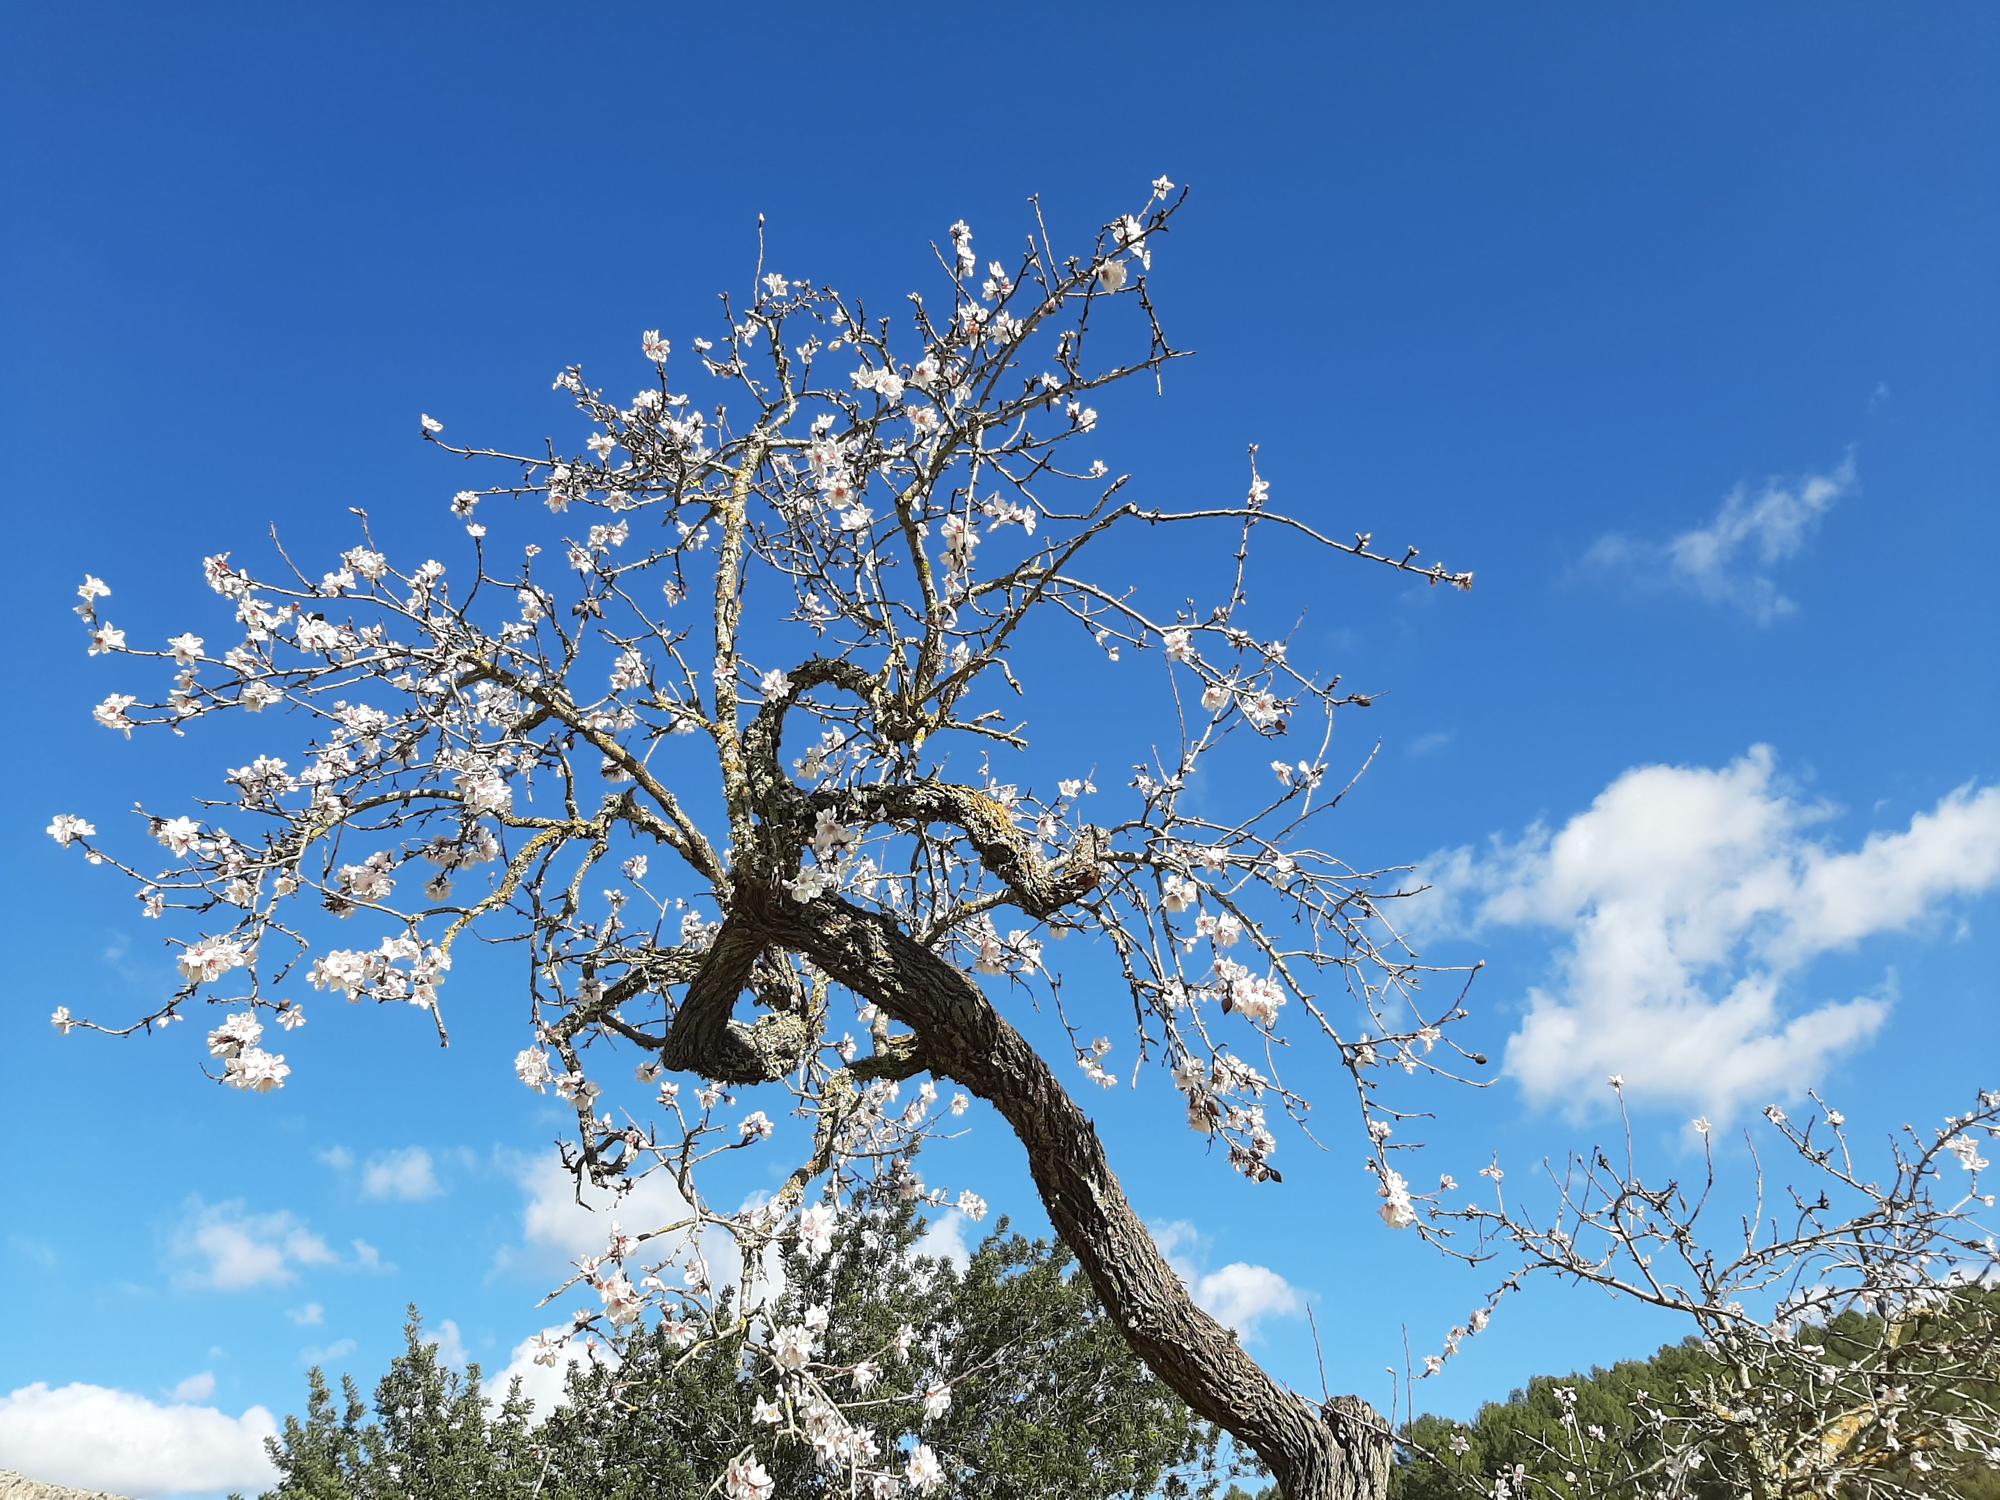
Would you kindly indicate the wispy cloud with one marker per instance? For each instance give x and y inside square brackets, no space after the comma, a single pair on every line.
[1732,559]
[407,1175]
[324,1355]
[1686,901]
[224,1247]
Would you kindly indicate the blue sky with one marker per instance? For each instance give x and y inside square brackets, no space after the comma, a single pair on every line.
[1679,329]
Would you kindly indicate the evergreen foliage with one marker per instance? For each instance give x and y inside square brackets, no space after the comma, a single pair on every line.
[1046,1398]
[1585,1435]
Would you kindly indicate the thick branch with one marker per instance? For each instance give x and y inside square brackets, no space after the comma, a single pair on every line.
[704,1039]
[966,1039]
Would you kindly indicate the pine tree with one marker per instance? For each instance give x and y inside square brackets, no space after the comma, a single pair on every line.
[1047,1401]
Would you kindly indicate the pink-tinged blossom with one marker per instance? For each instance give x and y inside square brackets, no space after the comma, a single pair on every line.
[1398,1212]
[961,244]
[831,837]
[622,1302]
[959,540]
[485,791]
[67,828]
[106,637]
[208,960]
[256,1071]
[233,1035]
[654,347]
[1263,710]
[816,1231]
[746,1479]
[182,836]
[792,1347]
[925,1473]
[1257,998]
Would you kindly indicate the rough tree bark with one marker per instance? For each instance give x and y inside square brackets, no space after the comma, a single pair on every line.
[1338,1453]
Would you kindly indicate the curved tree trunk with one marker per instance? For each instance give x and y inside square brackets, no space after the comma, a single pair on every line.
[1340,1453]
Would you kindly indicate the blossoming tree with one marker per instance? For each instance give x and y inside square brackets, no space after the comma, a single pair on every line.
[1845,1328]
[760,674]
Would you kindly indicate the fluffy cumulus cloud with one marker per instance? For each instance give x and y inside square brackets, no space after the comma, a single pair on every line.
[1732,558]
[97,1438]
[226,1248]
[944,1239]
[542,1383]
[1239,1295]
[559,1226]
[1687,900]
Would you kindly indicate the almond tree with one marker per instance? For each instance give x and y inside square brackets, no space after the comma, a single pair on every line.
[1846,1328]
[764,672]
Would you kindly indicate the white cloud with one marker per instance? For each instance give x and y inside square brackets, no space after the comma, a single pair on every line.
[1730,559]
[407,1175]
[944,1239]
[102,1439]
[450,1344]
[337,1157]
[557,1228]
[541,1384]
[224,1247]
[1238,1295]
[323,1355]
[1687,898]
[564,1225]
[196,1387]
[309,1316]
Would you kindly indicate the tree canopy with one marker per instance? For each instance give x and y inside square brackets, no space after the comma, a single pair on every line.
[1008,1364]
